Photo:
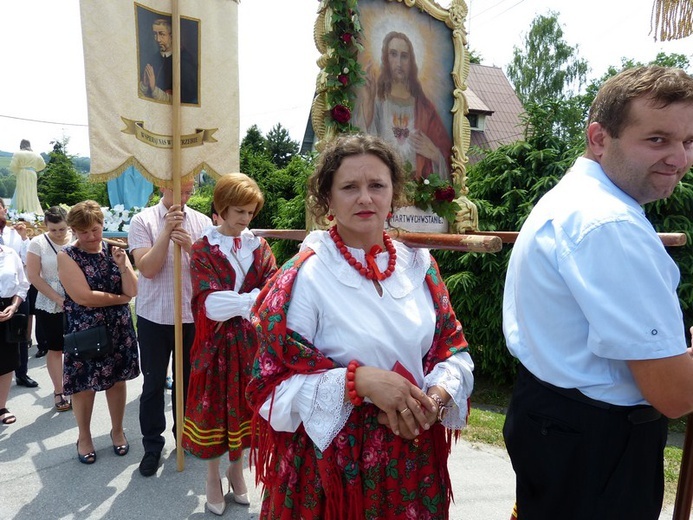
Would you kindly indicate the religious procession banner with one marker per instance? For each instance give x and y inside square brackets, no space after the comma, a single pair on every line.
[128,56]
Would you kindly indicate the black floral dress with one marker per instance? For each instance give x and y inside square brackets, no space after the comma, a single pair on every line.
[122,364]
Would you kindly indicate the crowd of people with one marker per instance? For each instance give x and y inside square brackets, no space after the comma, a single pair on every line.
[345,371]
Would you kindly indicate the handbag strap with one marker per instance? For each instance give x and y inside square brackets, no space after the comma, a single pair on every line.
[51,244]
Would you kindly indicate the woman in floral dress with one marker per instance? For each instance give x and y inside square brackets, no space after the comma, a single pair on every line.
[228,267]
[362,373]
[99,283]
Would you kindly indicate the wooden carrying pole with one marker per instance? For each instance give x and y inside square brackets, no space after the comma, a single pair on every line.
[509,237]
[472,244]
[177,277]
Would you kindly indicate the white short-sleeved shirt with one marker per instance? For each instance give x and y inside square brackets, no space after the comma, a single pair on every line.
[589,287]
[48,256]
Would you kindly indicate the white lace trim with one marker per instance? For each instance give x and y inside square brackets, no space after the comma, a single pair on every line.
[330,411]
[456,377]
[409,273]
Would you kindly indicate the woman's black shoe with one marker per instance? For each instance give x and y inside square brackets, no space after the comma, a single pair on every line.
[40,353]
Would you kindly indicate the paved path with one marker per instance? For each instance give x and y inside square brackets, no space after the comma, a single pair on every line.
[40,477]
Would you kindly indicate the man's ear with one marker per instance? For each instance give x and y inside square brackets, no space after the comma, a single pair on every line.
[596,139]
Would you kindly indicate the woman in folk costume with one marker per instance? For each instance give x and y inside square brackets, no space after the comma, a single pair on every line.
[228,266]
[362,370]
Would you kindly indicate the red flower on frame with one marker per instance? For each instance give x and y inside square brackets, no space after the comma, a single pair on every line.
[343,79]
[341,114]
[446,194]
[346,38]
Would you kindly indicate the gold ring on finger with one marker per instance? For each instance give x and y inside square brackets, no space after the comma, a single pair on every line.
[402,411]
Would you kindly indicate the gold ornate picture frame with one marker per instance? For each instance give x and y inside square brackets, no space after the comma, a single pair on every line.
[368,48]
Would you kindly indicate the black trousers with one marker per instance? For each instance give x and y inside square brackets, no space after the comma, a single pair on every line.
[575,460]
[23,367]
[157,344]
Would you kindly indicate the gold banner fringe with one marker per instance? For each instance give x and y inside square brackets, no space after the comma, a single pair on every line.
[160,183]
[671,19]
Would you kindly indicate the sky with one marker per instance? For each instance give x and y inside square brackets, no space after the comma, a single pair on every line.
[43,97]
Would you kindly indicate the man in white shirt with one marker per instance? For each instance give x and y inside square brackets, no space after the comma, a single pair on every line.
[591,312]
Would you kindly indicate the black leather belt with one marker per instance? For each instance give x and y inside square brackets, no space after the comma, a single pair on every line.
[639,414]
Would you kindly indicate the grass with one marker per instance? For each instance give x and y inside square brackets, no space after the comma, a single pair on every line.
[488,415]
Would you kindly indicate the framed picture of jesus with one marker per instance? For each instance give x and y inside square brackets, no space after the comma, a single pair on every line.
[396,69]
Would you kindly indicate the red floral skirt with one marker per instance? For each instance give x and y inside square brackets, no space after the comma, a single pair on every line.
[367,472]
[217,415]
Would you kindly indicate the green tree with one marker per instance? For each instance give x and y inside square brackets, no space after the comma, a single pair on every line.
[7,186]
[254,141]
[60,183]
[82,164]
[283,188]
[279,146]
[546,67]
[475,56]
[291,207]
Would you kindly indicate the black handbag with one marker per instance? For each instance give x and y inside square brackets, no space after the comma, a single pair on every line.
[89,343]
[16,327]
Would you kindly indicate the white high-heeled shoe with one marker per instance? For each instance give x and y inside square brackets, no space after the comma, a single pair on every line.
[217,509]
[241,499]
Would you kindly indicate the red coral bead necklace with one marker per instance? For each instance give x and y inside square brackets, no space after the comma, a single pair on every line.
[370,271]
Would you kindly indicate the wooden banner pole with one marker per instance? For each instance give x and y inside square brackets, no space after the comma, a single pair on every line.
[177,277]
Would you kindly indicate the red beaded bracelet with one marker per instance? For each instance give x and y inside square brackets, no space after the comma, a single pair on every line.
[351,383]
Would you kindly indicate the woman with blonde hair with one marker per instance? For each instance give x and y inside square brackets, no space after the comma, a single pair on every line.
[99,283]
[228,265]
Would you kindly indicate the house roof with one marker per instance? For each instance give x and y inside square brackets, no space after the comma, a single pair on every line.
[490,86]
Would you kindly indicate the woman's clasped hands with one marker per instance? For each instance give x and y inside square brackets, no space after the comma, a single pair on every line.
[405,408]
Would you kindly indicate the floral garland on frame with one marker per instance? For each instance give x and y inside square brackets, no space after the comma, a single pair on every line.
[342,70]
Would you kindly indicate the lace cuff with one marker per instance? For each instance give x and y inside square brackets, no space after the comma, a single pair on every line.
[456,377]
[329,411]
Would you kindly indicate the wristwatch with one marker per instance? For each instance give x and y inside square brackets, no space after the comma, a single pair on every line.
[442,408]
